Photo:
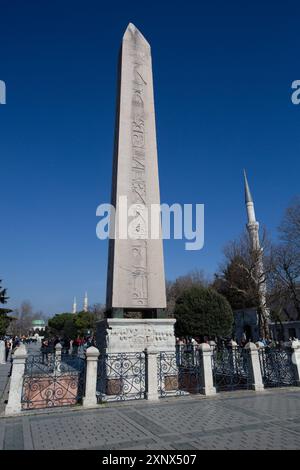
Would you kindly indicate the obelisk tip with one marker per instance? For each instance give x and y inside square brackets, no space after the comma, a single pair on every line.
[132,33]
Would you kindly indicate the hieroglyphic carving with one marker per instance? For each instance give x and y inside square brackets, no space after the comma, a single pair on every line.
[139,293]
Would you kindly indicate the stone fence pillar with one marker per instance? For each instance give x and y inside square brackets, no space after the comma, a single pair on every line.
[254,366]
[234,349]
[151,374]
[16,381]
[296,359]
[90,398]
[2,352]
[57,359]
[58,349]
[207,383]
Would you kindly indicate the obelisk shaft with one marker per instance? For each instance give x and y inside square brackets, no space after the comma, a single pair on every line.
[135,269]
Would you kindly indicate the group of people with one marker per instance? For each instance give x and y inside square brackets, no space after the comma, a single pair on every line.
[69,346]
[266,342]
[11,343]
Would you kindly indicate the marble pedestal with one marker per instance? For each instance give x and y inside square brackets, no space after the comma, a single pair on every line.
[124,370]
[116,335]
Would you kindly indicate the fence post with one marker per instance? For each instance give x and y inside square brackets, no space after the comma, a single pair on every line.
[233,348]
[58,349]
[90,398]
[2,352]
[151,374]
[16,381]
[207,383]
[296,360]
[57,358]
[255,369]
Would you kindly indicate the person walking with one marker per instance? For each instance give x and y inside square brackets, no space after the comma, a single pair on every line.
[7,349]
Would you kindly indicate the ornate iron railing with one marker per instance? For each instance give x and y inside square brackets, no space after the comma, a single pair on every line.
[178,373]
[121,376]
[231,369]
[277,367]
[187,355]
[51,381]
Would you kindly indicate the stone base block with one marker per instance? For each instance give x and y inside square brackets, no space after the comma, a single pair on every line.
[208,391]
[115,335]
[257,388]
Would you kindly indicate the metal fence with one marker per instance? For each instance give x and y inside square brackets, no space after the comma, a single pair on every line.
[230,368]
[277,367]
[51,380]
[179,372]
[121,376]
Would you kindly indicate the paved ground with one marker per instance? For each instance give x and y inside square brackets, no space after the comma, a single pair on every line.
[4,379]
[237,420]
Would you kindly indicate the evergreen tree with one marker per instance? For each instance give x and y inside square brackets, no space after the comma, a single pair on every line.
[202,311]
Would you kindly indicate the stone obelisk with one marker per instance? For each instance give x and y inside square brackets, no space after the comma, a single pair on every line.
[136,296]
[136,279]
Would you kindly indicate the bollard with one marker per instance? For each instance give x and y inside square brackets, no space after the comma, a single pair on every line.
[255,370]
[90,398]
[151,374]
[207,385]
[296,360]
[2,352]
[14,405]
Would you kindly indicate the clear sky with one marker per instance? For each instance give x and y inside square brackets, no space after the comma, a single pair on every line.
[222,77]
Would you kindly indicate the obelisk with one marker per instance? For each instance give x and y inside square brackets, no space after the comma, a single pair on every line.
[136,280]
[136,296]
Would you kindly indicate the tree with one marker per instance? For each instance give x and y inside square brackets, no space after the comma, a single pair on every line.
[234,284]
[3,296]
[243,277]
[4,318]
[202,311]
[85,321]
[175,288]
[62,321]
[289,228]
[72,325]
[285,266]
[4,323]
[22,321]
[98,310]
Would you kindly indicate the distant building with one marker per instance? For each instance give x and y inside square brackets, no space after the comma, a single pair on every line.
[285,330]
[38,326]
[74,310]
[246,324]
[86,303]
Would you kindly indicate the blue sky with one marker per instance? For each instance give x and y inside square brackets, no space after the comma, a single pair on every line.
[222,76]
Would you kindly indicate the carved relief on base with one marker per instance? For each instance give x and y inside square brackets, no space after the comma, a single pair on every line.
[140,335]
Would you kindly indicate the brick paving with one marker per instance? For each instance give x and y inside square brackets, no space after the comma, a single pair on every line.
[235,420]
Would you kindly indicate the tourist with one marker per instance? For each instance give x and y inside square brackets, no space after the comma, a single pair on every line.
[75,346]
[15,345]
[44,349]
[66,345]
[7,348]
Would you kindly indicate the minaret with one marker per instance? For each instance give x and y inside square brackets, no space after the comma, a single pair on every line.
[252,225]
[85,303]
[253,230]
[74,306]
